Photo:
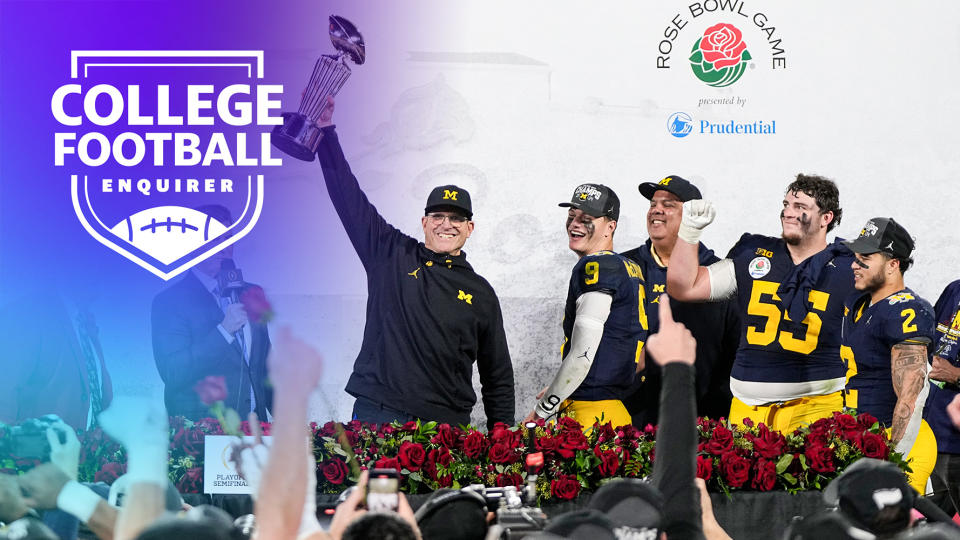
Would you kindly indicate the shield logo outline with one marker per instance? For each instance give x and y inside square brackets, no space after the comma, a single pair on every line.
[166,271]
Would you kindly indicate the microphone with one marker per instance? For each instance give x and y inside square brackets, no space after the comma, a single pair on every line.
[230,281]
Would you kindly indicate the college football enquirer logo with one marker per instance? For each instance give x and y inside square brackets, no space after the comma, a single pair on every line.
[720,57]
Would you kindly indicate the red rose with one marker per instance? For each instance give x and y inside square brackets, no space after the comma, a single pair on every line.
[722,45]
[211,389]
[387,463]
[411,456]
[565,423]
[256,305]
[335,471]
[764,475]
[573,440]
[749,422]
[445,436]
[508,479]
[820,458]
[502,452]
[604,432]
[474,444]
[547,444]
[190,441]
[609,463]
[191,481]
[328,429]
[110,472]
[441,456]
[866,420]
[721,440]
[565,487]
[846,422]
[209,425]
[704,467]
[410,426]
[735,469]
[874,446]
[769,444]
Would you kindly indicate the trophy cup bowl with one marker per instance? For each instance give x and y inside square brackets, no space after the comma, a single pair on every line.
[299,135]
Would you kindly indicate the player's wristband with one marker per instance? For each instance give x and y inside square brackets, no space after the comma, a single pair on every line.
[78,500]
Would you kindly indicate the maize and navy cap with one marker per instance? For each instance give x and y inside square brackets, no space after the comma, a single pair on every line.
[596,200]
[883,235]
[450,196]
[677,185]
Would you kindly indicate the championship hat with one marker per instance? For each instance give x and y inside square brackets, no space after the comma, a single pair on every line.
[680,187]
[596,200]
[450,196]
[883,235]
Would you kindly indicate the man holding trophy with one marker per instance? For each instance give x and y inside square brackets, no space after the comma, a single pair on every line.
[429,315]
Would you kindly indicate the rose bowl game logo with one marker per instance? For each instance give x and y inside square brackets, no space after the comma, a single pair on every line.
[720,57]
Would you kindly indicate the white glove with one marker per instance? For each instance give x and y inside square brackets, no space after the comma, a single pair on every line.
[66,455]
[697,214]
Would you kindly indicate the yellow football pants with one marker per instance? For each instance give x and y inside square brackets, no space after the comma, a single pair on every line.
[922,457]
[787,416]
[587,412]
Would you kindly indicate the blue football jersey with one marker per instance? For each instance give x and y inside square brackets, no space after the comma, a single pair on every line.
[869,334]
[625,330]
[774,348]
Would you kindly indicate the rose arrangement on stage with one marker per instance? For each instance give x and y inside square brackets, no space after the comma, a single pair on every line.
[430,455]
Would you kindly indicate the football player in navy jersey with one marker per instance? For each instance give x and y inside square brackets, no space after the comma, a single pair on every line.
[887,330]
[942,410]
[715,325]
[790,290]
[604,322]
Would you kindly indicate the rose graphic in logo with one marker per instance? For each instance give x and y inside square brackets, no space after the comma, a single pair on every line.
[720,57]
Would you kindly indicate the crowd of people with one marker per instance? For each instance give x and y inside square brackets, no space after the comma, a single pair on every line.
[783,331]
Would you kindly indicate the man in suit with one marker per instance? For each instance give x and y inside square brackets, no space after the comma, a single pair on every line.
[197,332]
[51,358]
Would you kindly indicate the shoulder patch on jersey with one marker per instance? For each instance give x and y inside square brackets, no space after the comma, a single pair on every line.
[759,267]
[901,297]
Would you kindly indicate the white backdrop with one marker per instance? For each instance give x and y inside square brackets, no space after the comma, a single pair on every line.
[521,101]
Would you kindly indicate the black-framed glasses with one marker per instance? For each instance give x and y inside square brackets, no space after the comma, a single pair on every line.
[455,219]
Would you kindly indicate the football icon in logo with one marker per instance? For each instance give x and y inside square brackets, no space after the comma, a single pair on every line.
[168,232]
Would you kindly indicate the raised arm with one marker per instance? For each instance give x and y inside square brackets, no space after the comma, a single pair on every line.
[687,281]
[368,231]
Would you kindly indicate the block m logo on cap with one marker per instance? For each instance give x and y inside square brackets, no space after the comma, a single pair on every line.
[449,195]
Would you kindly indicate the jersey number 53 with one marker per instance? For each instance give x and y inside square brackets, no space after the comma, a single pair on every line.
[762,298]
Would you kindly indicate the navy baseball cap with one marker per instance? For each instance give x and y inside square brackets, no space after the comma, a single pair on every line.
[883,235]
[450,196]
[679,186]
[596,200]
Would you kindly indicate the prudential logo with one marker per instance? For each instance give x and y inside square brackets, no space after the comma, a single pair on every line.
[680,124]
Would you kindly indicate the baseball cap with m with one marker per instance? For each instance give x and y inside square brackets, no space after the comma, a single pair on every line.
[452,197]
[680,187]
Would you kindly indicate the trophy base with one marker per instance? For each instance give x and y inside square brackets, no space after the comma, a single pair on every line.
[298,136]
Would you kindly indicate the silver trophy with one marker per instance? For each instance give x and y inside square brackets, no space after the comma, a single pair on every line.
[300,134]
